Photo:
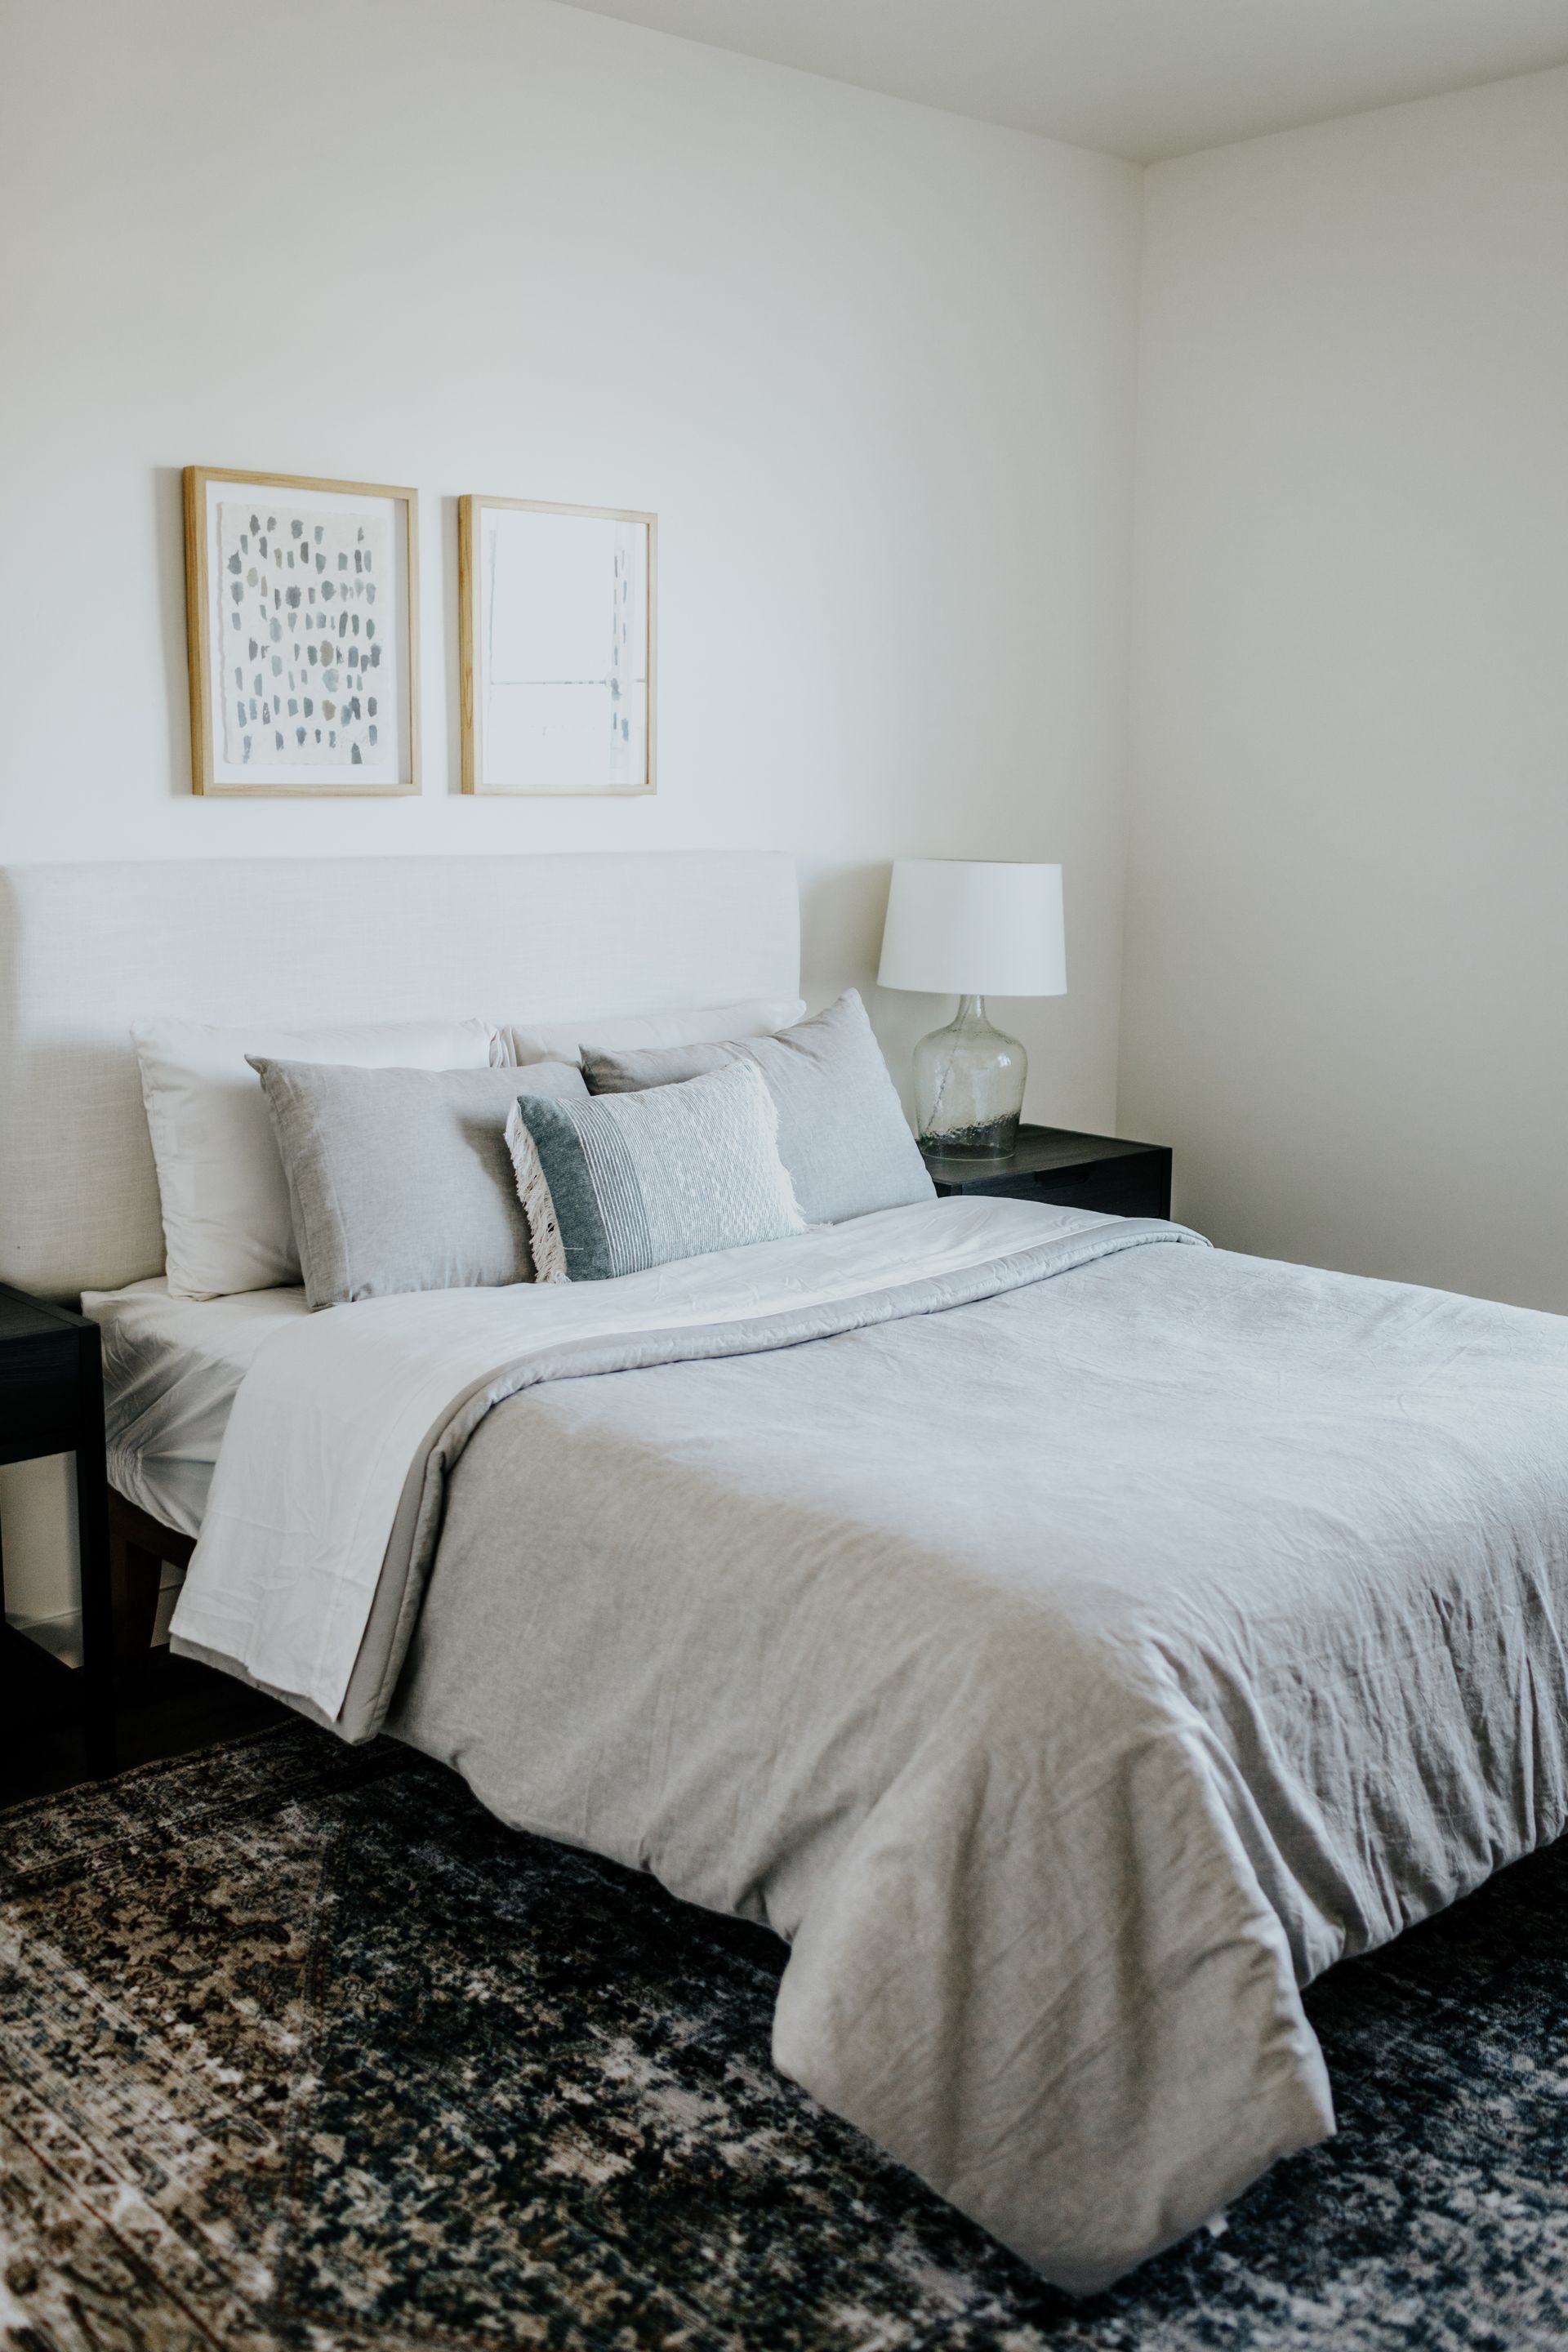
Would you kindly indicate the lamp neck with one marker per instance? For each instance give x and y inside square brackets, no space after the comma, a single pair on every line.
[971,1013]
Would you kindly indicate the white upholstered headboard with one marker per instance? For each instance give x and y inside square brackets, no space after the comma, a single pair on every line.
[85,951]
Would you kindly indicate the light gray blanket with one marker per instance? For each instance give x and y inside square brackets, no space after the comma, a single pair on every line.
[1070,1675]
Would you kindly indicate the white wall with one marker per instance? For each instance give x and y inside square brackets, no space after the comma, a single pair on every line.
[1346,985]
[872,364]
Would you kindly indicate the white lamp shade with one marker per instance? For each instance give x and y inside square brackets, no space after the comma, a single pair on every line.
[962,927]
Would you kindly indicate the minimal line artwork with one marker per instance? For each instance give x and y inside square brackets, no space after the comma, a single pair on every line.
[301,597]
[557,647]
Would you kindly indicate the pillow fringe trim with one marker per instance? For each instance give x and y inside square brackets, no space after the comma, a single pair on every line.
[545,1241]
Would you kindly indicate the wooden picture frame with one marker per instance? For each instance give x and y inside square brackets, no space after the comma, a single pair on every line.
[565,731]
[323,582]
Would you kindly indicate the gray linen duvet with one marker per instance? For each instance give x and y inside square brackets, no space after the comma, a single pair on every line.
[1070,1675]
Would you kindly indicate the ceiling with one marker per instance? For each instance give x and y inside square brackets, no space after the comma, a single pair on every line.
[1144,79]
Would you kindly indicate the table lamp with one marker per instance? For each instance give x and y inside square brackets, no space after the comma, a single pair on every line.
[975,929]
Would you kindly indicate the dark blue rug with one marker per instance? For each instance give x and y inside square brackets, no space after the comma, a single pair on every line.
[299,2048]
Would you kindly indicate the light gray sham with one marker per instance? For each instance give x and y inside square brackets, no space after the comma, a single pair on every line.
[843,1135]
[401,1180]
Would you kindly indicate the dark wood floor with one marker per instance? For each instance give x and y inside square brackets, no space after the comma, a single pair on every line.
[169,1710]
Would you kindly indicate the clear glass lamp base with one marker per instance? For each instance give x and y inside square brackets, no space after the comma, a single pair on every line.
[969,1086]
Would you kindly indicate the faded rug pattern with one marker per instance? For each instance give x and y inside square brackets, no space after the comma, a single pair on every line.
[300,2051]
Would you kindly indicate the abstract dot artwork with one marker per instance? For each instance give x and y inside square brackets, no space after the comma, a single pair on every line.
[299,644]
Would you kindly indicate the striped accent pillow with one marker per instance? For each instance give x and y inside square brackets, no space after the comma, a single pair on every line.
[624,1182]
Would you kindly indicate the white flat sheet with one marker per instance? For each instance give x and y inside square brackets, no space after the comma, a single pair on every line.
[172,1369]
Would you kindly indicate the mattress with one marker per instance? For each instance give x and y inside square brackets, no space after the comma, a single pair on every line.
[171,1371]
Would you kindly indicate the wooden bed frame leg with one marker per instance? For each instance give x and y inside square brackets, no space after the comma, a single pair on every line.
[138,1547]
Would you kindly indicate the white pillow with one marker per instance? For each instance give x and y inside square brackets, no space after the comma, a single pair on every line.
[564,1041]
[227,1226]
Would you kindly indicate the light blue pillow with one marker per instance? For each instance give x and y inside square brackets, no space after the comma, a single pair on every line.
[636,1179]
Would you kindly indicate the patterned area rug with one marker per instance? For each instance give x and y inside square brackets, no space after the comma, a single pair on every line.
[299,2048]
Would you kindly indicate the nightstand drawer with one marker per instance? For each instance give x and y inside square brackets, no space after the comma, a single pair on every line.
[40,1394]
[1067,1170]
[1122,1187]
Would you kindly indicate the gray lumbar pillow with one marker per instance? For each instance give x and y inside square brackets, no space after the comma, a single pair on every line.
[401,1180]
[842,1133]
[636,1180]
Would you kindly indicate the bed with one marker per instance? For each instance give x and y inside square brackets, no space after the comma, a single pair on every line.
[1070,1637]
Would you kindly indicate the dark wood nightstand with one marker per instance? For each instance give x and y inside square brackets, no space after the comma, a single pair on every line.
[1070,1170]
[52,1401]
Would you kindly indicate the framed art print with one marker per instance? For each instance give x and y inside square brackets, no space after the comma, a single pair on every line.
[301,605]
[556,646]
